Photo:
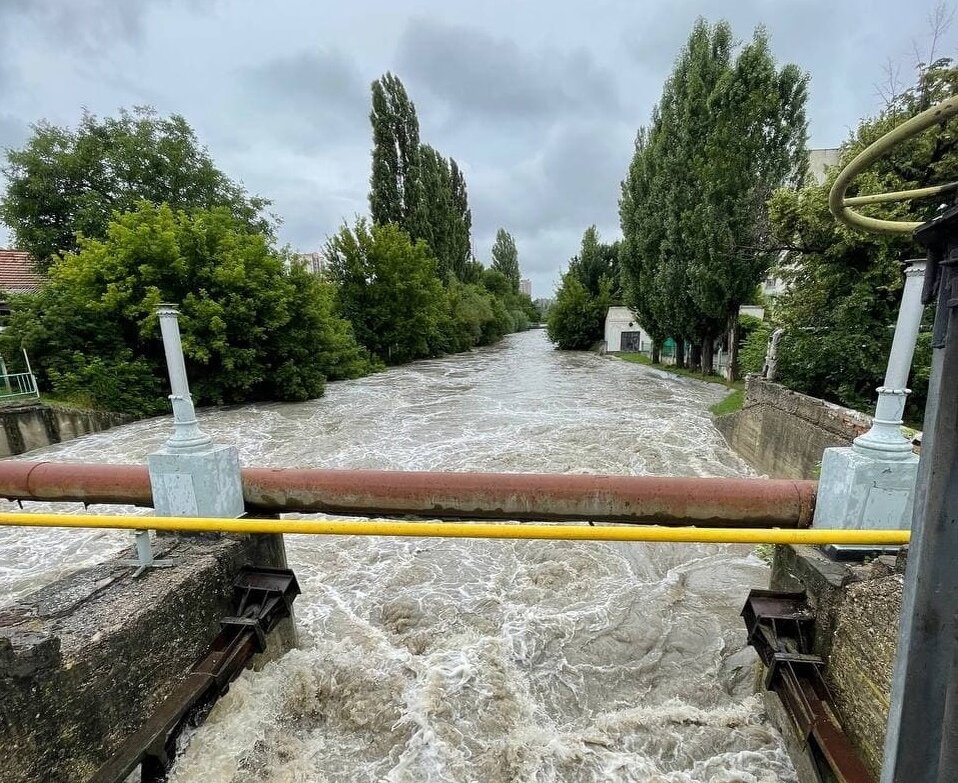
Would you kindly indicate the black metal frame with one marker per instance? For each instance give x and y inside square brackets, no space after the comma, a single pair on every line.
[781,628]
[264,597]
[921,745]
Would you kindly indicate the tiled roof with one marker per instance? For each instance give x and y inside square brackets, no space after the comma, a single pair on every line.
[16,272]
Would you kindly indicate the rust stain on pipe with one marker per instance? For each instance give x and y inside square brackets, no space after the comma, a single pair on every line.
[67,481]
[714,502]
[525,496]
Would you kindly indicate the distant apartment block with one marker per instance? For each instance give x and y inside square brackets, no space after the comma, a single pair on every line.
[525,286]
[315,262]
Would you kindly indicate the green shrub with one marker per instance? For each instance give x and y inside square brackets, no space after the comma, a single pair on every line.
[753,344]
[254,324]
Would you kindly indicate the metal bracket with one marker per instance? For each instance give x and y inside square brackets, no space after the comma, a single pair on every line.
[781,628]
[144,555]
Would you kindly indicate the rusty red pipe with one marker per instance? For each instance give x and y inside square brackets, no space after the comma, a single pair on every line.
[714,502]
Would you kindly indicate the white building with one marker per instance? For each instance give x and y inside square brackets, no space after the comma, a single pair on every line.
[525,286]
[623,333]
[315,262]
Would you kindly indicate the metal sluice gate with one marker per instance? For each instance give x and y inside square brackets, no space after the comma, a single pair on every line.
[263,597]
[781,629]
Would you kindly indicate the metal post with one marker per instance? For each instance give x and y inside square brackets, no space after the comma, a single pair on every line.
[771,355]
[31,378]
[187,435]
[916,743]
[6,376]
[885,440]
[872,484]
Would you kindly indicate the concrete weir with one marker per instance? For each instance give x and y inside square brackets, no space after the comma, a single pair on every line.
[84,661]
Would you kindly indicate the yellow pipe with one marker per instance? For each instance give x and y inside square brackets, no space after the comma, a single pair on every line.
[839,205]
[900,195]
[352,527]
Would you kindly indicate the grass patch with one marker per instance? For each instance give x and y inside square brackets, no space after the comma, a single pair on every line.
[641,358]
[732,402]
[65,402]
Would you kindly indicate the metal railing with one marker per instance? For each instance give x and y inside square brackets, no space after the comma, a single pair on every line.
[18,385]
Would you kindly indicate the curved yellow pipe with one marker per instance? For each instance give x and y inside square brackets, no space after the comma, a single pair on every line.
[352,527]
[839,205]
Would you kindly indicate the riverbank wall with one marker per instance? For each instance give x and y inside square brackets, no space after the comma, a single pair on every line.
[27,427]
[856,633]
[86,660]
[783,433]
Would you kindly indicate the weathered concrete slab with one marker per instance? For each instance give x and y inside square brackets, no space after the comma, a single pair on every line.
[859,672]
[783,433]
[84,661]
[32,426]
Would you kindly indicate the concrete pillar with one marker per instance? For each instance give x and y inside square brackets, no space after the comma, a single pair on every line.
[872,484]
[190,476]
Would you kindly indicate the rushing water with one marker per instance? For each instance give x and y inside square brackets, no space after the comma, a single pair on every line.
[453,660]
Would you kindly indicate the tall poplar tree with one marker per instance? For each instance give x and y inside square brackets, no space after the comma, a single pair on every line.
[396,188]
[505,257]
[643,232]
[462,240]
[729,129]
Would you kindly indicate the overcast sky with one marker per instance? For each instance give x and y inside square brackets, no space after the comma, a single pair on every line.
[538,100]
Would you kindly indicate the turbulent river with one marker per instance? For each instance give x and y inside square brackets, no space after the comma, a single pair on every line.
[425,660]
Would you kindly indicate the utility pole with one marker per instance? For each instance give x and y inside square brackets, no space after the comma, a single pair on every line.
[921,744]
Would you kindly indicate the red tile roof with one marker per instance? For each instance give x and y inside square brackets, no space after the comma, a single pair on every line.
[16,272]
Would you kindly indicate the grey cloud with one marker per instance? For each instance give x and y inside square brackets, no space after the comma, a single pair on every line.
[310,100]
[548,201]
[574,179]
[491,77]
[89,25]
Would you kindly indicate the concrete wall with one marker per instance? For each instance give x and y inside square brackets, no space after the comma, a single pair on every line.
[782,433]
[856,633]
[28,427]
[84,661]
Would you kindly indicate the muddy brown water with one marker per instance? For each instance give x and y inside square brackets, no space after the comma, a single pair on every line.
[426,660]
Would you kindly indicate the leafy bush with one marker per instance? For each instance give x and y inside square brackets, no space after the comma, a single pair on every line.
[389,289]
[576,319]
[254,324]
[753,344]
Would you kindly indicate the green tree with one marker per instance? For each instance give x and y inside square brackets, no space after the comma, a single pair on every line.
[505,257]
[255,324]
[388,288]
[476,317]
[729,129]
[643,229]
[844,286]
[756,145]
[597,261]
[66,182]
[447,210]
[438,195]
[576,318]
[462,234]
[396,188]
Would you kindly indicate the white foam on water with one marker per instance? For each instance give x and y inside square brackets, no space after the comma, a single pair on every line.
[433,660]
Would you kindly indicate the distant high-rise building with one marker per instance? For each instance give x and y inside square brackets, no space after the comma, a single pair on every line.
[525,285]
[315,262]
